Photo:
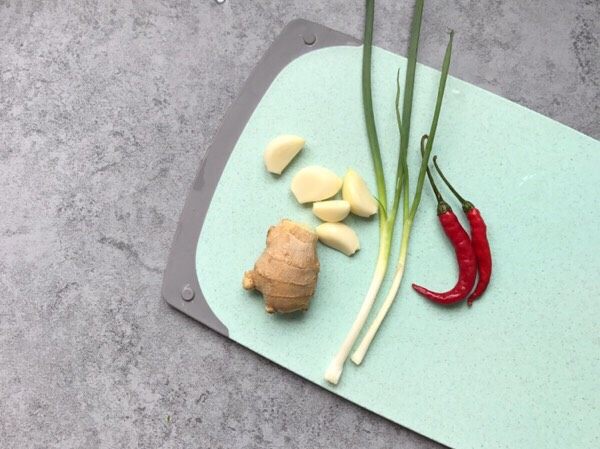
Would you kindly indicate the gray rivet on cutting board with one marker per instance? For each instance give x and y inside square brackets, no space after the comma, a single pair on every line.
[187,292]
[219,2]
[309,38]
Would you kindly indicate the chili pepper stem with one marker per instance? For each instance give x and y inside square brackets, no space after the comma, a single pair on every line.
[361,351]
[466,205]
[334,371]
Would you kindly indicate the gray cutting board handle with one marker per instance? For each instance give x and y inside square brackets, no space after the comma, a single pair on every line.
[181,287]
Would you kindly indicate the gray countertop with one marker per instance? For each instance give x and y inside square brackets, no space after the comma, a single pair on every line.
[106,108]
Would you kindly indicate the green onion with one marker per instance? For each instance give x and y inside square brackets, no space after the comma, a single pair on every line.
[359,354]
[334,371]
[387,217]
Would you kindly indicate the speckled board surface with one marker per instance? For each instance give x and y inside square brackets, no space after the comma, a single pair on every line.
[518,369]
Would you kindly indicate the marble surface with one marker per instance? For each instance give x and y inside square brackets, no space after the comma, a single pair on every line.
[106,108]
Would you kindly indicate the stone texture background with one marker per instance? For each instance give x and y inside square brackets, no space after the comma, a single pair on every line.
[106,108]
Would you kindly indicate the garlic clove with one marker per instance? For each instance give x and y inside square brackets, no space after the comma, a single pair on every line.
[280,151]
[338,236]
[331,211]
[356,192]
[315,183]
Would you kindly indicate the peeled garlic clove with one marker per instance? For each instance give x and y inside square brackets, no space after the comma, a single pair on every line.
[315,183]
[331,211]
[356,192]
[338,236]
[280,151]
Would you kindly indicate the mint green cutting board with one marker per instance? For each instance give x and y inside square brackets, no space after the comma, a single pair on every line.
[520,368]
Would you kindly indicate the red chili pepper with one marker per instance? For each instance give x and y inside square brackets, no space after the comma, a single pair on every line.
[479,239]
[465,256]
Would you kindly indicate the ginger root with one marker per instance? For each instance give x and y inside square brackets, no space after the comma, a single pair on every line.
[286,272]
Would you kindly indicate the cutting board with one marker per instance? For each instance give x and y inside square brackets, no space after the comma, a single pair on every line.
[520,368]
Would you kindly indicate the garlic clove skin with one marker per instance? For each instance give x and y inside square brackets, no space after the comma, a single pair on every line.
[338,236]
[315,183]
[281,151]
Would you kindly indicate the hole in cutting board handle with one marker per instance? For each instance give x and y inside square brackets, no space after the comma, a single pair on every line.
[309,38]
